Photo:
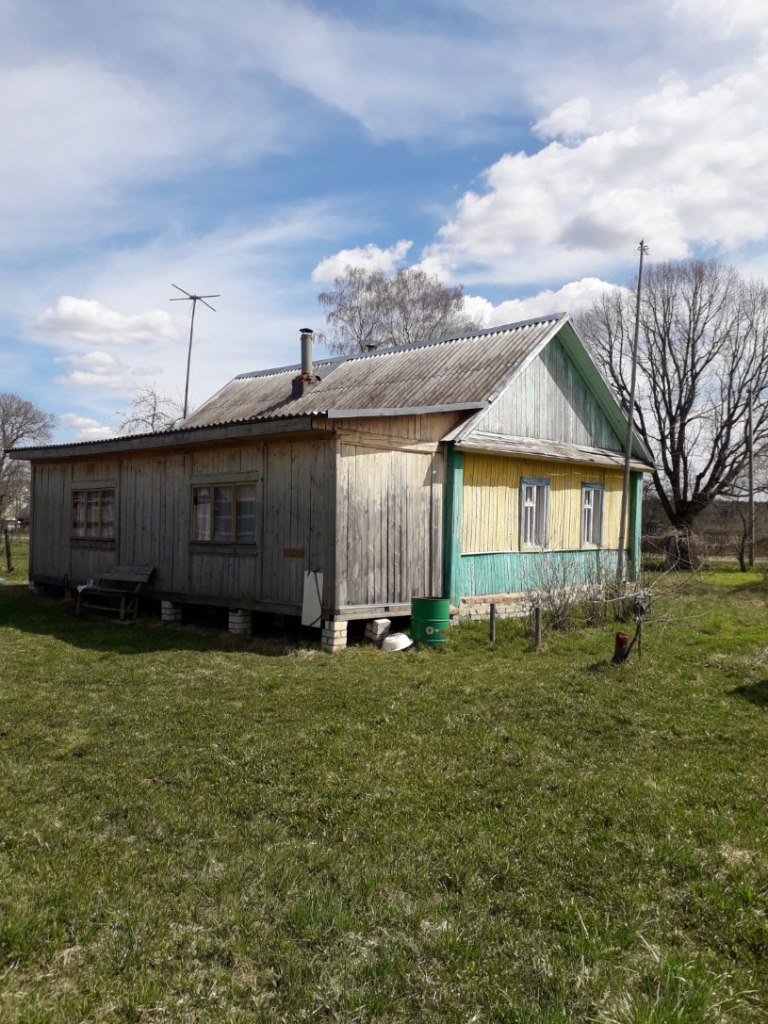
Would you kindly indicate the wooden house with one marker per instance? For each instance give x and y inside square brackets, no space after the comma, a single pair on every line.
[445,468]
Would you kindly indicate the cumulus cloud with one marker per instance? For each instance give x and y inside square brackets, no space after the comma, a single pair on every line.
[682,169]
[727,17]
[95,370]
[574,298]
[568,121]
[369,257]
[89,320]
[85,428]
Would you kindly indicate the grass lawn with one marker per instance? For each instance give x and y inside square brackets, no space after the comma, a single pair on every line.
[195,827]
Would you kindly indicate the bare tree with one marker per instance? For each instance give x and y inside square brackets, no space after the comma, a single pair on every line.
[368,309]
[151,412]
[703,348]
[20,421]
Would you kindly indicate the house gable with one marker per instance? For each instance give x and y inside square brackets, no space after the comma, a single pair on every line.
[553,399]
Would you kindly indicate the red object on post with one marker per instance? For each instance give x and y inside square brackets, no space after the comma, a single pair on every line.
[621,650]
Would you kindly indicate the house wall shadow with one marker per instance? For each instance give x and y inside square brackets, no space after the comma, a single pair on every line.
[46,616]
[755,693]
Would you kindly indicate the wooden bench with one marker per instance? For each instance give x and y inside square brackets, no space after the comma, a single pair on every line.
[115,590]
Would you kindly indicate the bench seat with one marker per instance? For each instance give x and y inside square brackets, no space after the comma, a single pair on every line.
[115,590]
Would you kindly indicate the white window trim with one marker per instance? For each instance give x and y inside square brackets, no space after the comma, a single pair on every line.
[541,487]
[598,491]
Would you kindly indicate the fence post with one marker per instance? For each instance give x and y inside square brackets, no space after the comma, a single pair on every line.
[537,622]
[492,624]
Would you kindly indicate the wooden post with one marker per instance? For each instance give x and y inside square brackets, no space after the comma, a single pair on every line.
[751,467]
[7,537]
[639,639]
[492,624]
[537,622]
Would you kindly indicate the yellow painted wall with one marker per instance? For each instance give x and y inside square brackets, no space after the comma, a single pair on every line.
[492,502]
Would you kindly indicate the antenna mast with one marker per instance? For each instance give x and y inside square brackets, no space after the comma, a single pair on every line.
[194,299]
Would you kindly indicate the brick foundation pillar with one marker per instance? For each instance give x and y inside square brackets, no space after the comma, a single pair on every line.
[240,622]
[334,636]
[170,612]
[377,629]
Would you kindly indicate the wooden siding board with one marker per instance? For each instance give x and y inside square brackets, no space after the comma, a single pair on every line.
[492,494]
[385,499]
[514,572]
[551,399]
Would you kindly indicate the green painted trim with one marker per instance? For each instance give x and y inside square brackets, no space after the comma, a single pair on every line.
[453,516]
[635,524]
[516,571]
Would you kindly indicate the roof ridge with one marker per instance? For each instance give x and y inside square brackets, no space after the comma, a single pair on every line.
[409,346]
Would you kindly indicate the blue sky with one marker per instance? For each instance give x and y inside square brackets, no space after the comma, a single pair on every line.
[255,148]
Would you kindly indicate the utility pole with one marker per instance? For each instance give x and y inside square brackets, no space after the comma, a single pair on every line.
[621,570]
[751,450]
[194,299]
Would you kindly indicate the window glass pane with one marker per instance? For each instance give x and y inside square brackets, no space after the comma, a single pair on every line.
[108,514]
[78,513]
[92,514]
[201,513]
[597,529]
[245,528]
[222,513]
[591,515]
[541,516]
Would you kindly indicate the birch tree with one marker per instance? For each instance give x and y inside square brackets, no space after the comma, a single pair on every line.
[369,309]
[21,422]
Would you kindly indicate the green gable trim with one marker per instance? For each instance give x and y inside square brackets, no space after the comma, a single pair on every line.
[453,513]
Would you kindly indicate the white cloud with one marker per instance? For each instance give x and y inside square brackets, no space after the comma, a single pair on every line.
[89,320]
[568,121]
[86,379]
[574,298]
[682,169]
[85,428]
[369,257]
[726,17]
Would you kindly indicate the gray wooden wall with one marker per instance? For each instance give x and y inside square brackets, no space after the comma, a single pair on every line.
[295,483]
[364,506]
[390,477]
[550,399]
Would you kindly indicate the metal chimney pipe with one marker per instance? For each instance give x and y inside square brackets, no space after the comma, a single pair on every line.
[306,351]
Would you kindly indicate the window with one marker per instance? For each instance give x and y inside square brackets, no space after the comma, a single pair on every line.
[93,514]
[224,513]
[591,515]
[534,506]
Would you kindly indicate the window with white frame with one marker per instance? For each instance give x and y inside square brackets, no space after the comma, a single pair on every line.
[591,515]
[224,513]
[534,508]
[93,514]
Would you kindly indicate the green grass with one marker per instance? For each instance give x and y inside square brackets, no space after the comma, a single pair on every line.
[198,828]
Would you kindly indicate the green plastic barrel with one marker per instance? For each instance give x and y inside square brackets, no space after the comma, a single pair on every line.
[430,620]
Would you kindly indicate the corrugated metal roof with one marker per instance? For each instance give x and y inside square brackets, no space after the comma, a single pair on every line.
[462,370]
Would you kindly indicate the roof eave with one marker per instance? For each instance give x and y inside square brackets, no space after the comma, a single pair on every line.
[168,439]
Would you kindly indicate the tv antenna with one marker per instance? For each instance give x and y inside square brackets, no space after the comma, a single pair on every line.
[194,299]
